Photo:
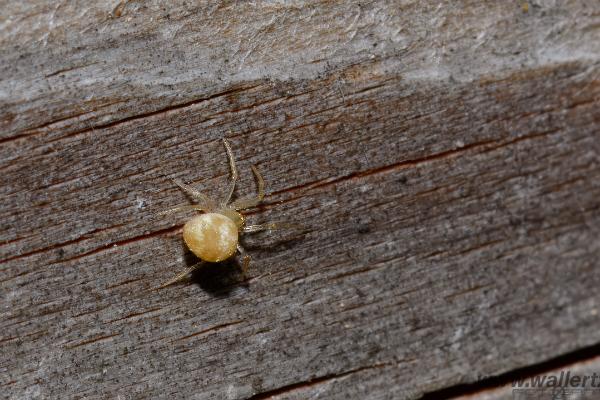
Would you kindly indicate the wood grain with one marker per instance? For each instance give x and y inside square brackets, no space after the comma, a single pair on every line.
[444,159]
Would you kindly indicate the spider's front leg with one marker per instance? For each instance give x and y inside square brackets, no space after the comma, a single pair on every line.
[191,207]
[252,201]
[205,203]
[234,173]
[203,200]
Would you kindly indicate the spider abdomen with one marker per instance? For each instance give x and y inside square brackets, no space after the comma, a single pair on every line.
[212,237]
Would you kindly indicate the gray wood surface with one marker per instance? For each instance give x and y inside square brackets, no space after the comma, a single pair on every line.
[444,158]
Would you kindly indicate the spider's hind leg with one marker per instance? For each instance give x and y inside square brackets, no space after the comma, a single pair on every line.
[270,227]
[245,260]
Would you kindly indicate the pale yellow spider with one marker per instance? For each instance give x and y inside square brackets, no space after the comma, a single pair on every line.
[214,235]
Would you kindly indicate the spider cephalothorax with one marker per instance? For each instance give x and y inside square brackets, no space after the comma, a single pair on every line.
[213,236]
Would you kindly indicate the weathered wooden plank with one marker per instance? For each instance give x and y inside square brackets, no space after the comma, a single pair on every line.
[448,178]
[70,66]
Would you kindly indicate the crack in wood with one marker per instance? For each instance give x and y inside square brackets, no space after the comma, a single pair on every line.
[91,341]
[233,89]
[299,386]
[8,339]
[135,314]
[67,69]
[93,251]
[468,290]
[215,328]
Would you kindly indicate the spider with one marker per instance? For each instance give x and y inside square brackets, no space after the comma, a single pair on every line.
[213,236]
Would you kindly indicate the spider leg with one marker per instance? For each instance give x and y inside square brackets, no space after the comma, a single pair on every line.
[270,227]
[245,259]
[182,275]
[248,202]
[205,202]
[234,173]
[191,207]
